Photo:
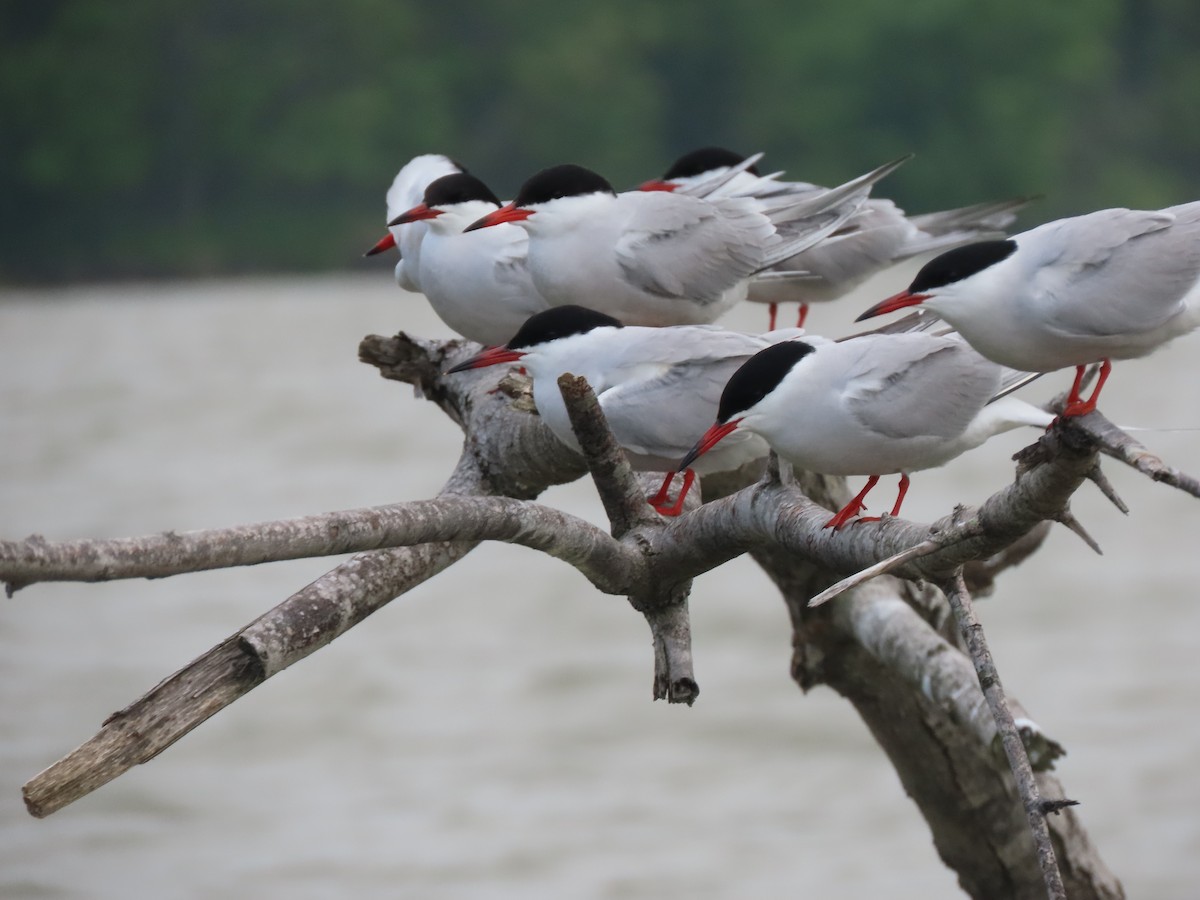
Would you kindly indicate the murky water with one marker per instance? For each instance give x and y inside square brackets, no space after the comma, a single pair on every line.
[491,734]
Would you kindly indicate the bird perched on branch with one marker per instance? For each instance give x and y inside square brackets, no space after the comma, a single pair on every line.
[658,387]
[1113,284]
[478,282]
[653,258]
[874,404]
[877,236]
[406,191]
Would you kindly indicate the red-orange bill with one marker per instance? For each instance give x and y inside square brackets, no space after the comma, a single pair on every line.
[507,213]
[893,303]
[490,357]
[387,242]
[708,441]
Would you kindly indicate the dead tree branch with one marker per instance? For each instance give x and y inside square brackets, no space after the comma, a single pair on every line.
[876,646]
[989,680]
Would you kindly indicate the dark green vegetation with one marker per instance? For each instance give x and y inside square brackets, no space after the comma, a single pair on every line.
[151,137]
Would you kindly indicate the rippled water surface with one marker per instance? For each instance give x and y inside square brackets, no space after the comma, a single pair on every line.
[491,735]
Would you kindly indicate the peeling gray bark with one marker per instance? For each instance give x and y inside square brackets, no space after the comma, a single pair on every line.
[885,645]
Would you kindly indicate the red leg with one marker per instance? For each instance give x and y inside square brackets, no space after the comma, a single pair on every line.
[774,312]
[900,495]
[896,508]
[677,507]
[661,497]
[1073,397]
[851,509]
[802,316]
[1076,406]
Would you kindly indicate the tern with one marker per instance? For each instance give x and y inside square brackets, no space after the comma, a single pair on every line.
[654,258]
[478,283]
[1113,284]
[878,236]
[658,387]
[406,191]
[874,404]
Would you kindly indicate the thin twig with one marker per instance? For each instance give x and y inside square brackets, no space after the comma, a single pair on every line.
[1117,443]
[622,496]
[989,680]
[663,601]
[880,568]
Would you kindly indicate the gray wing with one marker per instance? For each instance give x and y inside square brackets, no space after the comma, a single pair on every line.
[1116,271]
[869,241]
[666,391]
[909,385]
[681,247]
[949,228]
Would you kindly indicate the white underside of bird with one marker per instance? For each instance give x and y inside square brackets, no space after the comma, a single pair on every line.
[406,191]
[478,283]
[1115,284]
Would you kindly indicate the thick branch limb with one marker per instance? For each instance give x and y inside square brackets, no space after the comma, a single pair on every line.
[511,453]
[304,622]
[447,518]
[772,513]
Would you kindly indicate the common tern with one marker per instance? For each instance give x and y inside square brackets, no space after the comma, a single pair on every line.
[878,236]
[478,283]
[658,387]
[653,258]
[875,404]
[1113,284]
[406,191]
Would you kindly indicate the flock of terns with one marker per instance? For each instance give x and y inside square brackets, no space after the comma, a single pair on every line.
[622,288]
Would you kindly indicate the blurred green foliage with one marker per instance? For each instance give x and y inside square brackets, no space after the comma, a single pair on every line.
[152,138]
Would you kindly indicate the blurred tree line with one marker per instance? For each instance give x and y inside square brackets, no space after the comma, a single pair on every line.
[151,137]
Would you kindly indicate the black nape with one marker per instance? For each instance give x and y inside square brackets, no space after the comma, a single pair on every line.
[758,376]
[959,263]
[559,322]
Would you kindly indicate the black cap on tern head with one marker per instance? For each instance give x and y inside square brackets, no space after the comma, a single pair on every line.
[959,263]
[758,376]
[705,160]
[559,322]
[561,181]
[458,188]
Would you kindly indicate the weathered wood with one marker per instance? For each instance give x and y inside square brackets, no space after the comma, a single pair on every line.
[917,692]
[989,680]
[147,727]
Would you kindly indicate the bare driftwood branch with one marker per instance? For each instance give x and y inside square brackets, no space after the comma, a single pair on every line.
[304,622]
[662,600]
[449,517]
[879,645]
[989,679]
[769,512]
[622,495]
[1118,444]
[329,606]
[920,697]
